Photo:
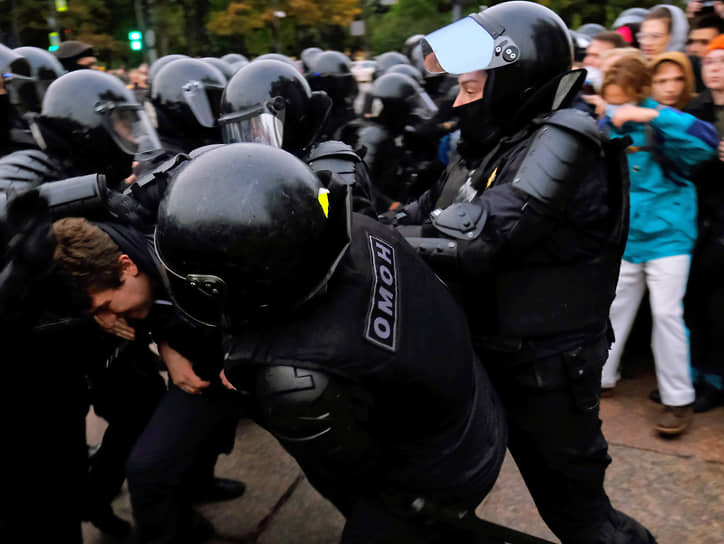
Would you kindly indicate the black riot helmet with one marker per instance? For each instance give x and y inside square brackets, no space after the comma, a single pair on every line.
[93,120]
[186,95]
[386,60]
[222,66]
[268,236]
[330,72]
[396,97]
[275,56]
[408,70]
[410,45]
[233,58]
[160,63]
[44,69]
[16,73]
[526,52]
[307,55]
[270,102]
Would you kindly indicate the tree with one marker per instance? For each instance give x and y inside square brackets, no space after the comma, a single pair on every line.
[255,21]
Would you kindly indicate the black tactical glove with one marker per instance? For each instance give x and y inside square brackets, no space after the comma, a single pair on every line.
[27,256]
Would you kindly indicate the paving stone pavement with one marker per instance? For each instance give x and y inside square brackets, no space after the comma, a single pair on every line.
[674,487]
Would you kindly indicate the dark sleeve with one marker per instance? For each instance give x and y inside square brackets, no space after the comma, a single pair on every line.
[4,124]
[418,211]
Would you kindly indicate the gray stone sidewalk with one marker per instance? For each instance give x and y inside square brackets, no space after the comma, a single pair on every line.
[679,498]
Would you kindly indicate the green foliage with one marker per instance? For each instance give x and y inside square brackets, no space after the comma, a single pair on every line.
[216,27]
[389,31]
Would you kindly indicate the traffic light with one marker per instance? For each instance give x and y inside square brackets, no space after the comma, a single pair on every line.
[54,39]
[136,39]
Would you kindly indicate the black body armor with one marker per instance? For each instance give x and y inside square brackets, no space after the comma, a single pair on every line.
[349,381]
[539,225]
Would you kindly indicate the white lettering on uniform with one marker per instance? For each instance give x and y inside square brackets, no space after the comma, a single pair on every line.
[381,322]
[386,302]
[386,275]
[382,328]
[384,252]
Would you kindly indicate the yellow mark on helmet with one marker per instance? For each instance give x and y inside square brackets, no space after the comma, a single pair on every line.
[491,179]
[324,201]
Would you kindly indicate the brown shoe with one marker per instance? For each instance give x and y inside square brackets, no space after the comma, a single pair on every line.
[675,419]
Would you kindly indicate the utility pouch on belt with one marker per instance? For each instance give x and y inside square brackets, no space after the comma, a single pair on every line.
[584,373]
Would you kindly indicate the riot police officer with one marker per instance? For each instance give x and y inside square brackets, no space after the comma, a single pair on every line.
[402,162]
[89,126]
[328,317]
[270,102]
[185,95]
[532,216]
[330,72]
[44,69]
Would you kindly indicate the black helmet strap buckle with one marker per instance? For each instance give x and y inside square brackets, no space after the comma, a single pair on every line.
[207,284]
[276,105]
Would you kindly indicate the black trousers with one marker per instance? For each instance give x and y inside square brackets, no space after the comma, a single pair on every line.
[704,306]
[556,440]
[43,456]
[126,395]
[185,432]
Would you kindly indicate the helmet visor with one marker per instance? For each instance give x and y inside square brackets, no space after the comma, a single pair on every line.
[467,45]
[132,131]
[264,128]
[203,101]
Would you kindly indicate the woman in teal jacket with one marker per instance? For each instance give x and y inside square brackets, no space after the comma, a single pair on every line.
[667,147]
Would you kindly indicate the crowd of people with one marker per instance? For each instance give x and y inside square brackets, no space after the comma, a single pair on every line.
[398,282]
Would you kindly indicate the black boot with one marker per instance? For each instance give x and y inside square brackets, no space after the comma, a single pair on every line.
[109,523]
[707,398]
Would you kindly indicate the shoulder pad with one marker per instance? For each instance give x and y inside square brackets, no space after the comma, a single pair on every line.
[31,166]
[150,188]
[463,220]
[575,121]
[558,158]
[332,148]
[203,149]
[336,157]
[372,134]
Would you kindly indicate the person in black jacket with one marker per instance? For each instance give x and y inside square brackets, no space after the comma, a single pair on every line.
[353,353]
[113,271]
[704,299]
[532,215]
[78,137]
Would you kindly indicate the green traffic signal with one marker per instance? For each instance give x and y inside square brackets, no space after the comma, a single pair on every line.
[134,35]
[136,45]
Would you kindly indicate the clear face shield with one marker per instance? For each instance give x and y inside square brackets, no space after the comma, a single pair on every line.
[257,125]
[130,128]
[203,100]
[467,45]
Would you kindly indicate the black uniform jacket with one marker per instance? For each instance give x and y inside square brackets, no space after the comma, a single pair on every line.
[388,325]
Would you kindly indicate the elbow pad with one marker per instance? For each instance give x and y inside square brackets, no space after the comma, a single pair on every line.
[312,413]
[559,156]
